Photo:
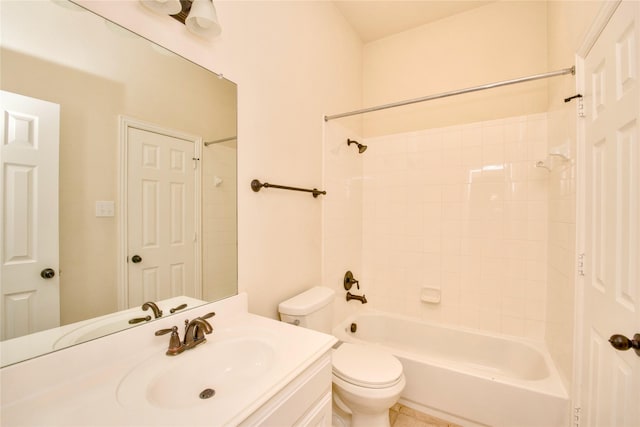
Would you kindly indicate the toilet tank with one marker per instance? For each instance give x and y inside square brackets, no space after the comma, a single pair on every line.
[311,309]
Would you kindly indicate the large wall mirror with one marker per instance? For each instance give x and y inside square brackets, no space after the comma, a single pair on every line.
[118,179]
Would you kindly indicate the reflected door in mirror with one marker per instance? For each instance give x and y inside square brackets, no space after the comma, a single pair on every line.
[162,204]
[29,217]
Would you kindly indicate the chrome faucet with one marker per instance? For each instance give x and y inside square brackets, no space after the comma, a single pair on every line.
[194,334]
[152,305]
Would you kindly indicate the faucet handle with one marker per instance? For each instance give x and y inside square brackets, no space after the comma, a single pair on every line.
[175,345]
[139,319]
[208,315]
[164,331]
[180,307]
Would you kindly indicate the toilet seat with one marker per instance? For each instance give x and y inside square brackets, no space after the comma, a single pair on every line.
[366,366]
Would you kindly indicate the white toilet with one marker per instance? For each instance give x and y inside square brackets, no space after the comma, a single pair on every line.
[366,381]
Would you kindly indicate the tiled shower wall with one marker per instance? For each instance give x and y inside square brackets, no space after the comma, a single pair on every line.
[462,210]
[219,214]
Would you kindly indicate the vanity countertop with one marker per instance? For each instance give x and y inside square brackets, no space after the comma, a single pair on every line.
[102,382]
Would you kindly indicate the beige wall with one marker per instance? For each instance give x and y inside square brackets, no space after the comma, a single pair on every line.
[283,57]
[499,41]
[567,25]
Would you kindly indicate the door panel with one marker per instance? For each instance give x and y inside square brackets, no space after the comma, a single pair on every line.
[29,216]
[611,379]
[161,217]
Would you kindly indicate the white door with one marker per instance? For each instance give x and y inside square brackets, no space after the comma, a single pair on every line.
[610,379]
[29,215]
[162,216]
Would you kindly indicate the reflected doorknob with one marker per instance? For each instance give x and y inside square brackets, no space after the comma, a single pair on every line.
[136,259]
[622,343]
[47,273]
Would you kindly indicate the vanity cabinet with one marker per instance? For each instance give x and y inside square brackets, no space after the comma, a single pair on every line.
[305,401]
[263,372]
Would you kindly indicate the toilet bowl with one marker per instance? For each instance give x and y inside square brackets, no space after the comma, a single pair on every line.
[367,382]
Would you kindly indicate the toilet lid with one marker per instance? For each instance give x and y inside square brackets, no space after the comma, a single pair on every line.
[366,366]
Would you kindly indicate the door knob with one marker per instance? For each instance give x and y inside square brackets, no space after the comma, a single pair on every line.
[136,259]
[622,343]
[47,273]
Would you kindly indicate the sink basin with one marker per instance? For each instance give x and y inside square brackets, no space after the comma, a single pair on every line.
[217,370]
[97,328]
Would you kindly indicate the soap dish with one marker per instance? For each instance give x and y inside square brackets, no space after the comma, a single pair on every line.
[430,295]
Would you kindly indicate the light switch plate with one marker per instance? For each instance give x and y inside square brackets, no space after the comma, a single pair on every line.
[105,208]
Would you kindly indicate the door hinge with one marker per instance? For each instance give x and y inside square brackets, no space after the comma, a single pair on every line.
[195,162]
[579,103]
[580,108]
[581,264]
[576,417]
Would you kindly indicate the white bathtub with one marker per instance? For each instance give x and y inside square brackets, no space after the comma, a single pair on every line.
[473,377]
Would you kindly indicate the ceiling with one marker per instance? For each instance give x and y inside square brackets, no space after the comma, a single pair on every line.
[375,19]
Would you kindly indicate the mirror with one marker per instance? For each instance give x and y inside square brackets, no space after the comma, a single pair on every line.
[114,89]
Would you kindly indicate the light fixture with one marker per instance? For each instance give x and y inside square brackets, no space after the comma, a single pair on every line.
[168,7]
[199,16]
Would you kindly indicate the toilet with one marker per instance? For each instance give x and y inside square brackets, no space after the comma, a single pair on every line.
[366,381]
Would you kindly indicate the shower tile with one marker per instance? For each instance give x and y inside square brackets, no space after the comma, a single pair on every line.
[515,151]
[534,310]
[516,230]
[471,135]
[537,230]
[494,248]
[515,130]
[424,141]
[512,325]
[516,191]
[512,306]
[452,137]
[493,133]
[467,210]
[492,155]
[536,270]
[537,149]
[472,156]
[537,210]
[432,245]
[454,174]
[517,171]
[489,319]
[469,316]
[534,329]
[452,156]
[535,173]
[453,192]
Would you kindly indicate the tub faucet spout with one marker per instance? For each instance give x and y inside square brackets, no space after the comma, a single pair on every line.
[361,298]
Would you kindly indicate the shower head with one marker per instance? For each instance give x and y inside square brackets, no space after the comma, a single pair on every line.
[361,148]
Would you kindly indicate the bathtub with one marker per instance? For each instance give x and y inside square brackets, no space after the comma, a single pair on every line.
[464,375]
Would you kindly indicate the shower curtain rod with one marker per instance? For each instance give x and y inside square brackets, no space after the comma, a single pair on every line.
[571,70]
[217,141]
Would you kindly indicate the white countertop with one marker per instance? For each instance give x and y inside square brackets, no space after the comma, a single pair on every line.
[78,386]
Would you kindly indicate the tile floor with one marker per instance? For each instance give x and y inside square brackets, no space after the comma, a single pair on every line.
[403,416]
